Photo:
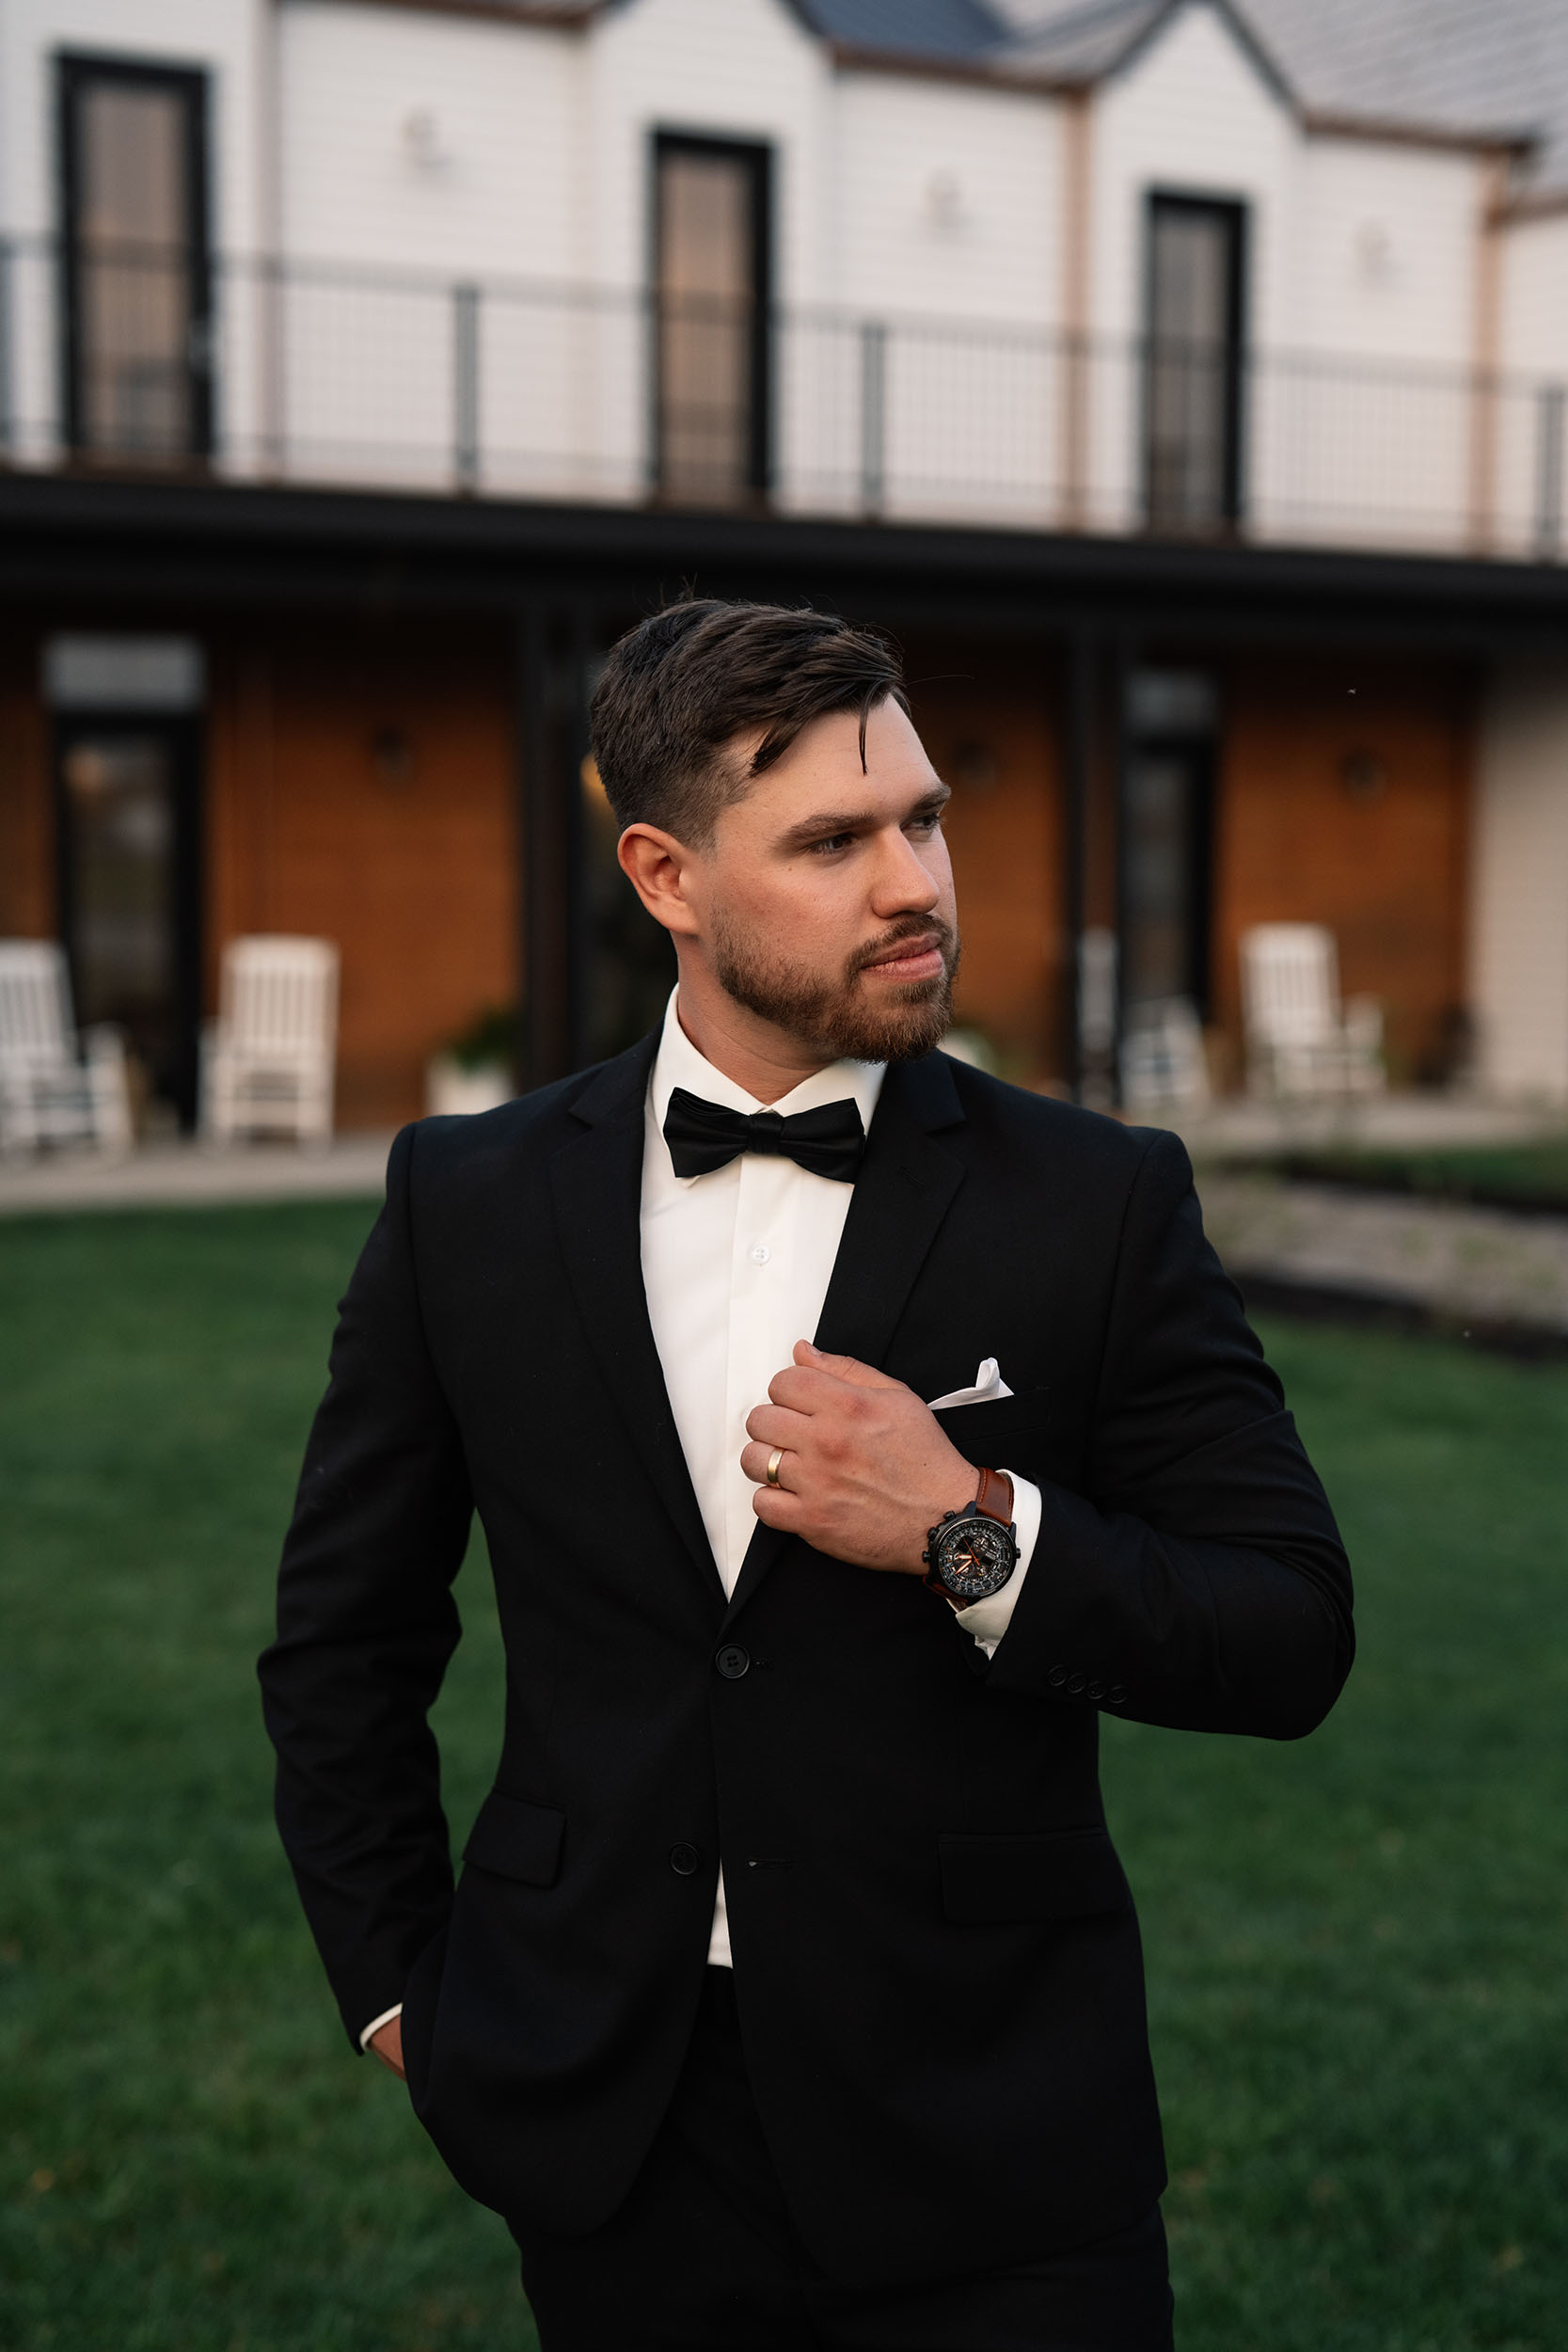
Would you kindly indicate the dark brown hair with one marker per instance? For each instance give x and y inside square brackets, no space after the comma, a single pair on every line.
[681,686]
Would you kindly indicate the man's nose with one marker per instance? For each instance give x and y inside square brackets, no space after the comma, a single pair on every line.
[904,883]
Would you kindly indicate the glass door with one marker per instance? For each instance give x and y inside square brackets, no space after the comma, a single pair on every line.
[710,303]
[129,890]
[1193,365]
[137,275]
[1166,865]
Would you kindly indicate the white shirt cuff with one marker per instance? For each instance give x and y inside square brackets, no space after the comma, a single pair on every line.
[396,2010]
[989,1619]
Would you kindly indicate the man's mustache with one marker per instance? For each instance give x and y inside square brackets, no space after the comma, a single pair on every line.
[931,927]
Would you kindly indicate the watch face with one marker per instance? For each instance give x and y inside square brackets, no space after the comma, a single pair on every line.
[975,1557]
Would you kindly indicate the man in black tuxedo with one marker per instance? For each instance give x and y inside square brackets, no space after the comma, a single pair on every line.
[849,1431]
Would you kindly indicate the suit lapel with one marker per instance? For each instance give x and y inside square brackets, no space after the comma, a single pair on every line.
[596,1180]
[907,1181]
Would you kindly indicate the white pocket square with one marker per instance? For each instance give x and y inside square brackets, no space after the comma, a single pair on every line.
[989,1386]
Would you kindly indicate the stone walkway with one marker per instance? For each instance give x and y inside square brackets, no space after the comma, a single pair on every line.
[1459,1262]
[188,1175]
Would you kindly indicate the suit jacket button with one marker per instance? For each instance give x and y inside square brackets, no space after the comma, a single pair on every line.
[1095,1691]
[732,1661]
[1056,1677]
[1116,1694]
[1074,1684]
[685,1860]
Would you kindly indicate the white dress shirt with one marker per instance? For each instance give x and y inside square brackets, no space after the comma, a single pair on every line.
[735,1265]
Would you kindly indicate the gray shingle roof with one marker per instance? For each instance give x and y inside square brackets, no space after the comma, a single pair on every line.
[1499,67]
[924,28]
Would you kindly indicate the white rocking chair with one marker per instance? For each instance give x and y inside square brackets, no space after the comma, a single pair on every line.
[268,1061]
[54,1086]
[1300,1040]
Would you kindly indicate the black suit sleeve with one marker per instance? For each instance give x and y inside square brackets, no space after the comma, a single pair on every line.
[366,1626]
[1199,1580]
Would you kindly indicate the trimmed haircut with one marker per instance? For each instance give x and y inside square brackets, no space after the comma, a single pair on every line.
[677,690]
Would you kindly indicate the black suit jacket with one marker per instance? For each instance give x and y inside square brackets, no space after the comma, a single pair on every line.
[936,1955]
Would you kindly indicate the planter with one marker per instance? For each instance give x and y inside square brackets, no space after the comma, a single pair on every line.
[452,1089]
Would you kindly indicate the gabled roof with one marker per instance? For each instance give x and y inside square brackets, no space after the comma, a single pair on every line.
[1476,70]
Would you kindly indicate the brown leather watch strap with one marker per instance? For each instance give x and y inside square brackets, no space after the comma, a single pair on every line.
[996,1498]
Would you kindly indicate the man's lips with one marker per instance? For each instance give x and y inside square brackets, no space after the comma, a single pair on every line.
[911,960]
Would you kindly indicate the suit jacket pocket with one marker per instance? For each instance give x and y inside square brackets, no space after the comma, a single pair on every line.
[516,1839]
[1052,1874]
[986,1431]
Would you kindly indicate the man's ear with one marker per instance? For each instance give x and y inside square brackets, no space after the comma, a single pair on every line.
[657,868]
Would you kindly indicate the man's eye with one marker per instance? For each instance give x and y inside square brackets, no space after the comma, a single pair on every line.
[926,825]
[832,841]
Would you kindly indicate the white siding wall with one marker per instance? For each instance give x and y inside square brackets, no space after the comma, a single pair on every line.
[1535,356]
[950,208]
[437,151]
[225,39]
[1379,423]
[1386,260]
[1519,875]
[1535,296]
[1191,116]
[492,196]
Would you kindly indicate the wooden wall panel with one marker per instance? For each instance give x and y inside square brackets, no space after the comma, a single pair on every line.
[992,737]
[361,787]
[1349,808]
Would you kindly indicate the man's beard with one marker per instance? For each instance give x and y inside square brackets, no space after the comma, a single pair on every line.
[831,1016]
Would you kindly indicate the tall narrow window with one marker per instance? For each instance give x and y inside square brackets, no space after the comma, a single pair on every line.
[711,317]
[137,282]
[1193,365]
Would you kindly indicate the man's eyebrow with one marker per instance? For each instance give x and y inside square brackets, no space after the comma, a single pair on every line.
[829,821]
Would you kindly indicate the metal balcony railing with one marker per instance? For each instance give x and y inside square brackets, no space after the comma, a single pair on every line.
[314,372]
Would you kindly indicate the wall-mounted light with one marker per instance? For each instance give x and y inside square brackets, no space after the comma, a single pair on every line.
[425,142]
[973,767]
[1364,775]
[945,201]
[392,760]
[1374,253]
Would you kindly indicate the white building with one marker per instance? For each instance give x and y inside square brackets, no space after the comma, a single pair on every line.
[1223,342]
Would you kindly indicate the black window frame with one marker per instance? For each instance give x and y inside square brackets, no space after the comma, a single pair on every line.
[75,70]
[1236,212]
[757,155]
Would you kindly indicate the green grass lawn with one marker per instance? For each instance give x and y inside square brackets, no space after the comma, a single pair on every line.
[1506,1175]
[1357,1947]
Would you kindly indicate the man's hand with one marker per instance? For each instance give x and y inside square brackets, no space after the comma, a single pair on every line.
[386,2042]
[867,1470]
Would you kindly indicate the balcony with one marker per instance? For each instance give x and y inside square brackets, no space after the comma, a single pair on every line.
[314,372]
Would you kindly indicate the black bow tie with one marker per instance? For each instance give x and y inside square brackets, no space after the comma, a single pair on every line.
[704,1135]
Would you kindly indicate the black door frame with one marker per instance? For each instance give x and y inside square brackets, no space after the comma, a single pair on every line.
[75,70]
[1233,212]
[757,157]
[184,733]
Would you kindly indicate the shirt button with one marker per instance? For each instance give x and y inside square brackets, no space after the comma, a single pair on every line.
[760,1253]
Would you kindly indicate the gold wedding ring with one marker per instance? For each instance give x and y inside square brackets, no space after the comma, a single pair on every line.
[773,1460]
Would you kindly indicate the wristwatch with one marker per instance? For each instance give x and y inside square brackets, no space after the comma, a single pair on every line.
[970,1553]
